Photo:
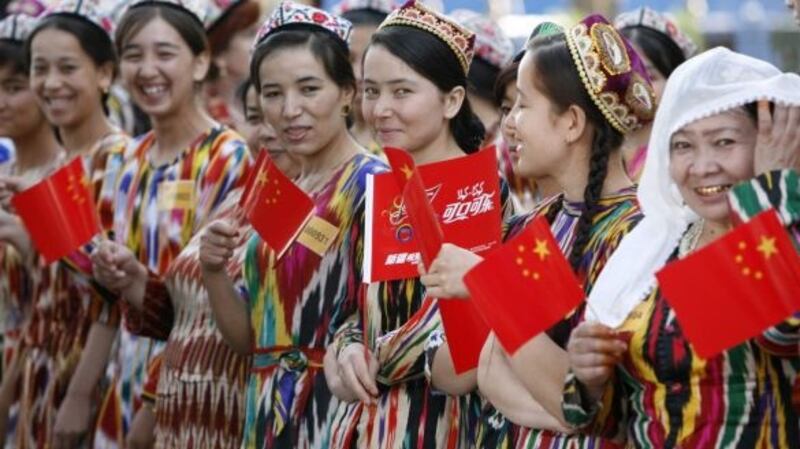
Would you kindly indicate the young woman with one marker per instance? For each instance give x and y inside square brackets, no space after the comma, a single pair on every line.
[173,179]
[38,152]
[72,65]
[712,160]
[365,15]
[301,70]
[414,98]
[565,133]
[231,27]
[663,47]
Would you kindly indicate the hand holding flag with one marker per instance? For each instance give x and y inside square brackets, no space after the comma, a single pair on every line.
[65,200]
[524,287]
[752,274]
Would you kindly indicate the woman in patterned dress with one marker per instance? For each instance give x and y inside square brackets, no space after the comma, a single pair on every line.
[174,178]
[72,65]
[565,134]
[306,83]
[715,158]
[38,151]
[414,98]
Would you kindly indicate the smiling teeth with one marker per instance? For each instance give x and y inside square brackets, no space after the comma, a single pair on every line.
[154,90]
[713,190]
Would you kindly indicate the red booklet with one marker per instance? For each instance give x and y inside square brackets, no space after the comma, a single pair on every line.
[465,195]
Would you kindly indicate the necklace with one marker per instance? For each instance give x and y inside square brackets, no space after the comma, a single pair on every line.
[690,238]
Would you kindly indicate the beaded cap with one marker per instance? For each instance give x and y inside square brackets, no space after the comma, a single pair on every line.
[612,72]
[289,13]
[649,18]
[491,44]
[415,14]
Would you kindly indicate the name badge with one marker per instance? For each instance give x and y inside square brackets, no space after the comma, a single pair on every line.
[176,195]
[318,235]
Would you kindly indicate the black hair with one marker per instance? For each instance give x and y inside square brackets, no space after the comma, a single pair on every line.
[364,16]
[12,56]
[659,48]
[185,23]
[557,77]
[432,58]
[481,79]
[94,41]
[508,74]
[241,93]
[329,50]
[237,18]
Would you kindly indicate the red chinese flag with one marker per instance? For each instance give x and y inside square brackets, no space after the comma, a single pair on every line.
[466,332]
[524,287]
[278,209]
[420,213]
[59,212]
[250,179]
[735,288]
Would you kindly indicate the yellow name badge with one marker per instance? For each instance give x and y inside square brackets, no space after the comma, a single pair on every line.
[176,195]
[318,235]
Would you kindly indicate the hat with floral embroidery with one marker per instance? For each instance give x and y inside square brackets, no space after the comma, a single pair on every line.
[649,18]
[381,6]
[16,27]
[295,15]
[612,73]
[197,8]
[417,15]
[33,8]
[491,44]
[89,10]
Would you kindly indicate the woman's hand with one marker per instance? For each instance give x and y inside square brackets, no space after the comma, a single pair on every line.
[14,233]
[334,379]
[445,278]
[10,186]
[72,421]
[778,139]
[217,243]
[116,267]
[142,433]
[358,370]
[594,350]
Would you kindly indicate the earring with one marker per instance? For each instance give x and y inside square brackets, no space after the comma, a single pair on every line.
[346,110]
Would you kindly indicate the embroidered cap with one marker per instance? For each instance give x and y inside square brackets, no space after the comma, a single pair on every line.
[197,8]
[612,72]
[540,30]
[89,10]
[649,18]
[216,10]
[33,8]
[381,6]
[415,14]
[16,27]
[491,44]
[290,14]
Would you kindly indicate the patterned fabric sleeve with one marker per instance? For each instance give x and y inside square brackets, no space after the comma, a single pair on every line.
[401,352]
[580,412]
[779,190]
[157,315]
[436,340]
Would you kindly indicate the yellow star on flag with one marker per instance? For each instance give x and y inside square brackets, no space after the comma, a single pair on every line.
[407,171]
[541,249]
[767,247]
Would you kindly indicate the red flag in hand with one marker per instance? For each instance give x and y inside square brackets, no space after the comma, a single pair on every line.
[524,287]
[752,274]
[277,209]
[59,212]
[250,178]
[466,332]
[420,213]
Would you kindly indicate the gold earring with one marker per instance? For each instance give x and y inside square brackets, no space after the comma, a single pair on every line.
[346,110]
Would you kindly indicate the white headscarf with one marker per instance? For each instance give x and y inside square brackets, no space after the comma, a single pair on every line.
[708,84]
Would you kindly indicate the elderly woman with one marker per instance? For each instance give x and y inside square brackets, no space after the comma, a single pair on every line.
[717,154]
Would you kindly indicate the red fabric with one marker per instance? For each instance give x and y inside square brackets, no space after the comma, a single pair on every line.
[524,287]
[752,274]
[250,177]
[465,330]
[59,212]
[278,209]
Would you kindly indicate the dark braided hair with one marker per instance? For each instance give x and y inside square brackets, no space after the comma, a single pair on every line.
[556,76]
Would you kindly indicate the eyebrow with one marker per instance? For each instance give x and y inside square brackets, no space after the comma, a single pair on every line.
[391,82]
[157,45]
[304,79]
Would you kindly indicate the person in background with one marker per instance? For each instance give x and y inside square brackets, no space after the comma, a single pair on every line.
[365,15]
[663,47]
[493,51]
[231,27]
